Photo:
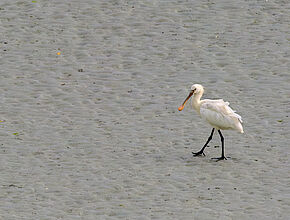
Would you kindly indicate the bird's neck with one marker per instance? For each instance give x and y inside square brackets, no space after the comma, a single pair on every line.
[195,102]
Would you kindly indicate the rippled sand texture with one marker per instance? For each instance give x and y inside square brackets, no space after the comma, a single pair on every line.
[89,124]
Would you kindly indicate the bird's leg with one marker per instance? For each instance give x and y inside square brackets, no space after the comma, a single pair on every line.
[223,148]
[202,149]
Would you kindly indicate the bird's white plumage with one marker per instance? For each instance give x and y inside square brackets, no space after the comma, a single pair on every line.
[220,115]
[217,113]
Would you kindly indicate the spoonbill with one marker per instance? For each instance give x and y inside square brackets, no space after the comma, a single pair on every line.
[217,113]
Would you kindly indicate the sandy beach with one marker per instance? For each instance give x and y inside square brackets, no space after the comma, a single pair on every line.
[89,120]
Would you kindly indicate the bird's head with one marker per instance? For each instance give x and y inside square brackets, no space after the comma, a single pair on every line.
[195,89]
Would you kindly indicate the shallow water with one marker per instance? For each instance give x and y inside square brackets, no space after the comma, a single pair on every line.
[94,132]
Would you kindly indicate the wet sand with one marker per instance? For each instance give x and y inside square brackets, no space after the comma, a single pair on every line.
[89,122]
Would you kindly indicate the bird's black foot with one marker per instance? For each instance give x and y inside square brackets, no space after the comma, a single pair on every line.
[199,153]
[219,158]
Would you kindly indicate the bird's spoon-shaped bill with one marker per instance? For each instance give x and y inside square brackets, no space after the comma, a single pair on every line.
[188,97]
[181,108]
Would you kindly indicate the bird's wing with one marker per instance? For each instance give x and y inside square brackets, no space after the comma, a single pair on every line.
[218,112]
[221,106]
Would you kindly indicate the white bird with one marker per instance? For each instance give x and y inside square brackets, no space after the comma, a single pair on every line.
[217,113]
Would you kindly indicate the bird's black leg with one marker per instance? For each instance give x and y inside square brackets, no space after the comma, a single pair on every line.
[202,149]
[223,148]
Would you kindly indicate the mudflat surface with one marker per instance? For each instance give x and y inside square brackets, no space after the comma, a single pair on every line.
[89,92]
